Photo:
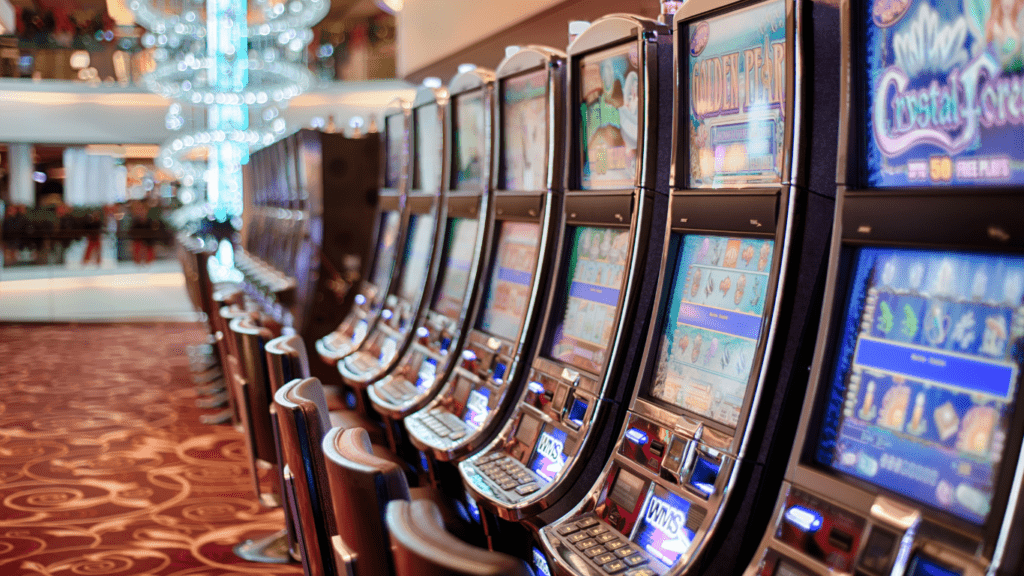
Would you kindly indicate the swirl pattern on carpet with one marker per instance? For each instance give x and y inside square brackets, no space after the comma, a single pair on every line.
[105,468]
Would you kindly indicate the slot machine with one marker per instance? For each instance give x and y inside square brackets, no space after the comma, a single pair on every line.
[439,330]
[725,365]
[615,206]
[425,232]
[527,183]
[369,300]
[907,458]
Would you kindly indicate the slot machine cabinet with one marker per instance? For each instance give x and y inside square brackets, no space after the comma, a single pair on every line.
[907,458]
[312,229]
[441,330]
[423,241]
[369,298]
[724,369]
[502,329]
[611,231]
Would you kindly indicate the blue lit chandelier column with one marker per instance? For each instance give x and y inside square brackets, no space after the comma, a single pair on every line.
[228,67]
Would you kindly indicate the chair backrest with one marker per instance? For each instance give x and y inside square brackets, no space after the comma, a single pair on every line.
[251,339]
[286,360]
[303,420]
[422,547]
[362,484]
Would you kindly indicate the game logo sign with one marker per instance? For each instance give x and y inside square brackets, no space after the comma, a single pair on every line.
[927,375]
[662,530]
[524,130]
[609,117]
[549,458]
[737,75]
[944,93]
[469,141]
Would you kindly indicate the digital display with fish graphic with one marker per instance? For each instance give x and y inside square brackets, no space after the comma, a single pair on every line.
[941,92]
[926,377]
[714,319]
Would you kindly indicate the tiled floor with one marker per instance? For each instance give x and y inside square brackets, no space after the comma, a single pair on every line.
[121,294]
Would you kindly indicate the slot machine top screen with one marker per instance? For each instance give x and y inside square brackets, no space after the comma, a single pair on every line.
[925,378]
[737,74]
[609,116]
[429,140]
[394,128]
[595,276]
[939,91]
[525,130]
[468,141]
[417,256]
[712,325]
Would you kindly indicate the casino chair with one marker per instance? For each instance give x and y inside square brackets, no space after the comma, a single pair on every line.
[287,359]
[251,388]
[421,546]
[300,410]
[363,480]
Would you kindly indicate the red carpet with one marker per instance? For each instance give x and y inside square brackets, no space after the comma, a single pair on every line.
[105,469]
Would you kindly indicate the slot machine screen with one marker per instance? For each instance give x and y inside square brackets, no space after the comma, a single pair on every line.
[508,289]
[524,129]
[712,324]
[454,285]
[595,275]
[468,141]
[548,457]
[394,127]
[418,245]
[662,530]
[924,380]
[938,92]
[387,243]
[736,66]
[429,141]
[609,111]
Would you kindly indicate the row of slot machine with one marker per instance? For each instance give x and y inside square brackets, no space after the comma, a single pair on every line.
[311,198]
[739,294]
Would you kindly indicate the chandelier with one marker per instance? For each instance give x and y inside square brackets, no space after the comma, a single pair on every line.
[228,66]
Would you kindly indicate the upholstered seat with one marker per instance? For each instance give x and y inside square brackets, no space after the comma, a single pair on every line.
[422,547]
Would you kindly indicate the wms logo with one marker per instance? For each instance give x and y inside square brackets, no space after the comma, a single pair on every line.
[664,517]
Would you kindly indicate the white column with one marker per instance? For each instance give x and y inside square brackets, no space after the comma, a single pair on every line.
[23,188]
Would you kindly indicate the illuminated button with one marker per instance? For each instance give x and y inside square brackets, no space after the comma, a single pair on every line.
[597,530]
[584,544]
[577,538]
[608,537]
[625,551]
[642,572]
[567,529]
[604,558]
[457,436]
[596,551]
[587,522]
[527,489]
[508,485]
[614,567]
[634,560]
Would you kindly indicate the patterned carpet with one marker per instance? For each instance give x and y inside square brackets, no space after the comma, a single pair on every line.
[105,469]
